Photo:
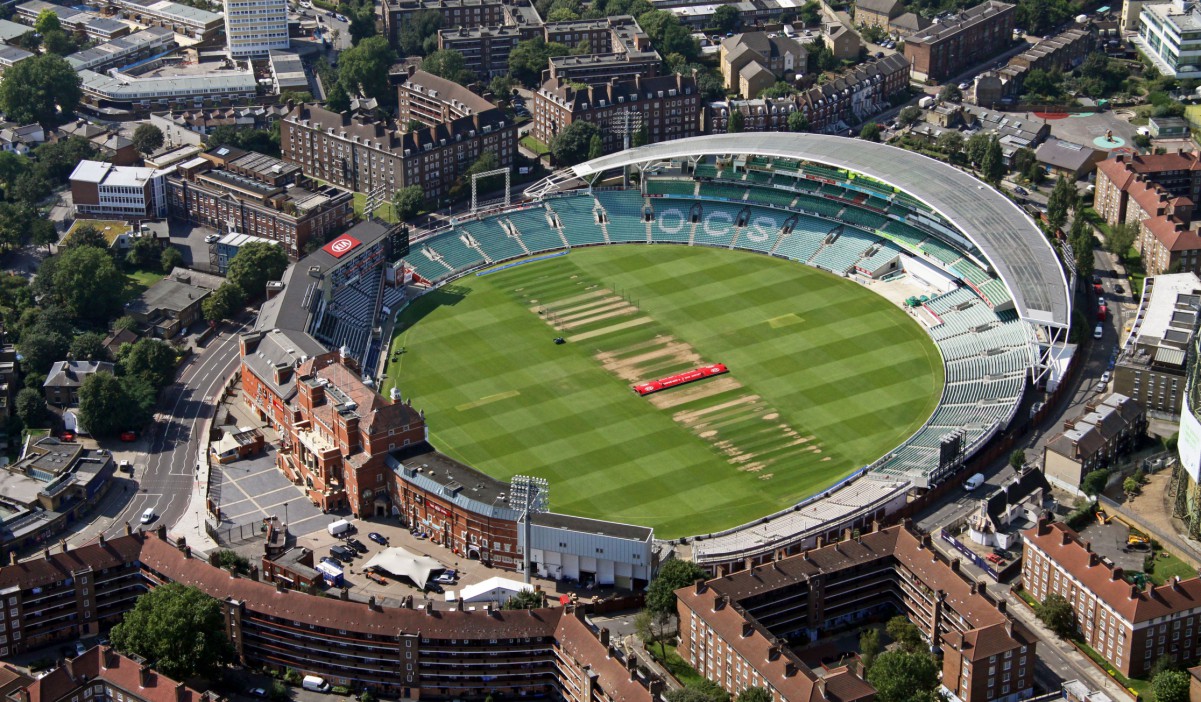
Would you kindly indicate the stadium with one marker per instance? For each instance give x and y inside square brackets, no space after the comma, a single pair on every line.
[842,219]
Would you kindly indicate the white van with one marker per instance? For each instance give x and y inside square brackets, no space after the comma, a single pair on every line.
[149,515]
[339,528]
[315,683]
[1098,332]
[973,482]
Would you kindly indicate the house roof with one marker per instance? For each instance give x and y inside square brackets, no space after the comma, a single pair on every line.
[613,679]
[1172,234]
[105,663]
[1066,154]
[71,374]
[278,348]
[1064,546]
[43,570]
[169,295]
[890,8]
[909,21]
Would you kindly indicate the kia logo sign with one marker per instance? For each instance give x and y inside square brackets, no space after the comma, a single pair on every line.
[341,246]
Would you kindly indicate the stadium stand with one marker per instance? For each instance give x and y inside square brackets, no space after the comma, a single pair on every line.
[771,196]
[577,217]
[717,224]
[532,226]
[728,192]
[624,210]
[496,243]
[661,186]
[671,222]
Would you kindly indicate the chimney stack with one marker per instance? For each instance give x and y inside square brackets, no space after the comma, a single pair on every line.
[128,528]
[700,586]
[603,635]
[143,675]
[748,629]
[181,693]
[954,565]
[1002,605]
[101,540]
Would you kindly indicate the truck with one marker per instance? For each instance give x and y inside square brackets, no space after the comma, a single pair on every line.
[315,683]
[340,528]
[926,102]
[332,574]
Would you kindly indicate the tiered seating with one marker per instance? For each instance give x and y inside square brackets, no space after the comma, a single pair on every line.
[625,215]
[996,292]
[824,172]
[357,301]
[676,219]
[863,218]
[772,196]
[579,222]
[940,250]
[393,295]
[662,186]
[706,170]
[494,240]
[535,232]
[844,251]
[424,266]
[971,272]
[905,234]
[867,184]
[833,190]
[884,253]
[762,230]
[716,230]
[758,177]
[458,256]
[820,205]
[729,192]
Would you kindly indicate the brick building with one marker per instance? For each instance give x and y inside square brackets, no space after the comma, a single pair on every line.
[454,13]
[1130,626]
[669,106]
[1109,426]
[100,189]
[733,628]
[101,673]
[362,154]
[753,61]
[1178,174]
[970,37]
[335,431]
[232,190]
[851,97]
[431,100]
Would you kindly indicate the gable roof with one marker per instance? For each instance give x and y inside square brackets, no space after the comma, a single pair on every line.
[105,663]
[890,8]
[71,374]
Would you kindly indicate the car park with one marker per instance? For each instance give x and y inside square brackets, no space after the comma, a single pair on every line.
[356,545]
[378,538]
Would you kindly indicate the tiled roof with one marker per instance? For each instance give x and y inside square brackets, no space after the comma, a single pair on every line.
[612,678]
[44,570]
[1064,547]
[104,663]
[1172,234]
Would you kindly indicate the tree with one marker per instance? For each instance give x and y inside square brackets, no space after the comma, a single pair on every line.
[363,68]
[149,358]
[905,633]
[1022,158]
[103,405]
[278,692]
[448,64]
[232,560]
[86,235]
[407,201]
[1058,203]
[526,599]
[178,627]
[418,34]
[362,21]
[1043,85]
[336,98]
[562,14]
[88,346]
[147,138]
[41,349]
[31,407]
[909,114]
[778,89]
[87,282]
[47,21]
[640,136]
[753,694]
[651,627]
[726,18]
[36,89]
[55,161]
[902,676]
[223,303]
[1057,614]
[870,132]
[570,146]
[1171,686]
[673,575]
[668,35]
[811,13]
[993,165]
[257,263]
[596,147]
[798,122]
[1130,486]
[501,88]
[529,58]
[976,146]
[736,123]
[950,93]
[950,143]
[170,259]
[1121,238]
[144,253]
[1094,482]
[41,232]
[869,647]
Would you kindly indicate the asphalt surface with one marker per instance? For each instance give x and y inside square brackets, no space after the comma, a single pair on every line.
[167,480]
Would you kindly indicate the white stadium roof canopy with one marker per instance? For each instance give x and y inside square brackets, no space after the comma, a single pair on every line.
[1018,251]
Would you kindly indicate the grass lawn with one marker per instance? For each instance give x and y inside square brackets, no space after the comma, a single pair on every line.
[385,211]
[1168,565]
[534,145]
[825,377]
[1138,685]
[675,665]
[138,282]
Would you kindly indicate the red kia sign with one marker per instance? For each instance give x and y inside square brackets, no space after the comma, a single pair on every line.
[341,246]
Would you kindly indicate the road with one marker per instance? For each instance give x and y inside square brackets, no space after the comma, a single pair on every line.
[167,479]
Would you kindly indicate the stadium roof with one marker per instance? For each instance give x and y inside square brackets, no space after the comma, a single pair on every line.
[1010,240]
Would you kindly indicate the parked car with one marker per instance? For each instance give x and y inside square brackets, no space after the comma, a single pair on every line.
[211,238]
[447,577]
[342,553]
[80,649]
[1105,377]
[1020,190]
[129,436]
[256,692]
[356,545]
[378,538]
[1119,289]
[434,587]
[148,515]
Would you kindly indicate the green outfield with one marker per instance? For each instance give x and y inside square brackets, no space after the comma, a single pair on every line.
[825,377]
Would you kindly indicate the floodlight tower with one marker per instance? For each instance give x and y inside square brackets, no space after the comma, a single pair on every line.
[625,122]
[529,496]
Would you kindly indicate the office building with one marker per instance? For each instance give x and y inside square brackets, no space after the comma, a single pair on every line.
[971,37]
[254,28]
[1132,627]
[100,189]
[1168,35]
[1152,363]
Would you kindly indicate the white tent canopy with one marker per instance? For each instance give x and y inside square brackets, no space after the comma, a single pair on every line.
[399,562]
[494,589]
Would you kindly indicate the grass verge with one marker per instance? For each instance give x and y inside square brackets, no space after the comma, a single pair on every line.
[385,211]
[675,665]
[531,143]
[1138,686]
